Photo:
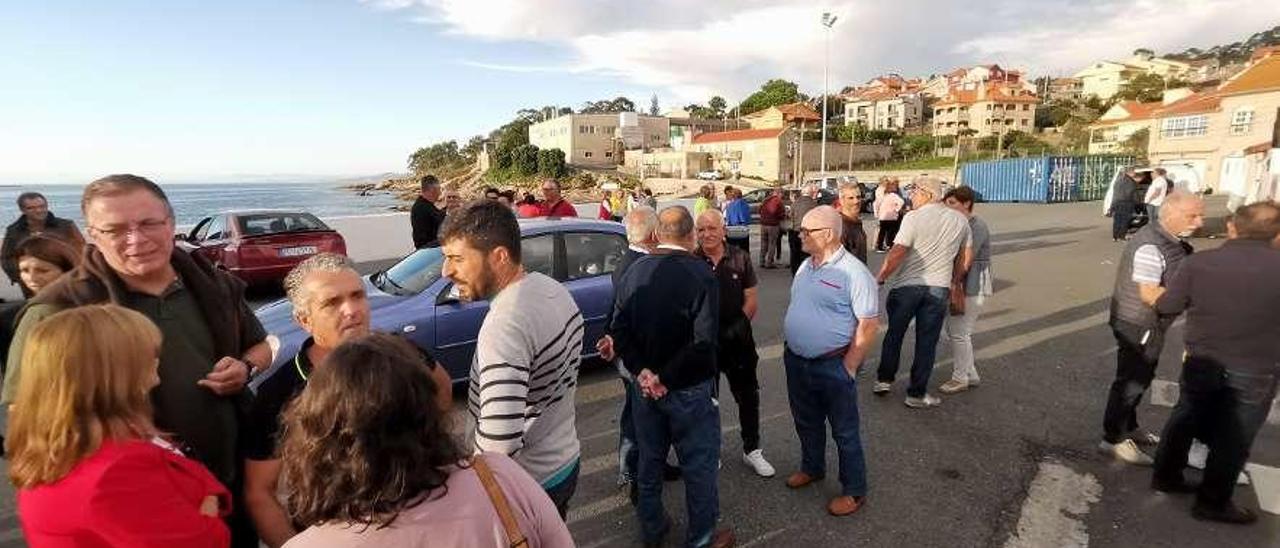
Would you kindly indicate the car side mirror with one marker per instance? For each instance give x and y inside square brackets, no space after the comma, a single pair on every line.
[449,296]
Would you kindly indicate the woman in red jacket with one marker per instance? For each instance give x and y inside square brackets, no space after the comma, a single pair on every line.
[90,468]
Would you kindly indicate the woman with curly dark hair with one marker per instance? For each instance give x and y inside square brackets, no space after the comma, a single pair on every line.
[368,460]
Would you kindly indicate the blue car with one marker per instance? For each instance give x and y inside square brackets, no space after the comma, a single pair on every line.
[413,299]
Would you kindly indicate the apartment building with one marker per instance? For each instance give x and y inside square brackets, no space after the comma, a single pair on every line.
[989,109]
[1108,134]
[597,140]
[1105,78]
[781,116]
[884,108]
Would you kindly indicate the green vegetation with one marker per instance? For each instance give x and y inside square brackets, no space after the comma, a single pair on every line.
[1146,88]
[773,93]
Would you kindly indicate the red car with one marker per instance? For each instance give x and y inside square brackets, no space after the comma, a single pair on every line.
[260,247]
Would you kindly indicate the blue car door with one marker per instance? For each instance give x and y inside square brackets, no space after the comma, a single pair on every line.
[590,258]
[458,323]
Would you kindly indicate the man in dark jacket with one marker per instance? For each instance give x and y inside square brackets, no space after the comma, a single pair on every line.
[852,236]
[805,201]
[424,216]
[665,328]
[1149,261]
[212,341]
[1232,299]
[36,219]
[1123,200]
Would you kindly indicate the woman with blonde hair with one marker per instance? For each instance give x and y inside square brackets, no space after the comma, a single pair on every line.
[88,462]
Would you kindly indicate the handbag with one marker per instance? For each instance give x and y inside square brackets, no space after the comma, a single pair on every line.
[515,539]
[957,301]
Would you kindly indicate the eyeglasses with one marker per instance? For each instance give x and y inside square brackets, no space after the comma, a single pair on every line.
[147,228]
[810,231]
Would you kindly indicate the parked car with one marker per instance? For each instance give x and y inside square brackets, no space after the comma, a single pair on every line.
[260,247]
[710,175]
[413,299]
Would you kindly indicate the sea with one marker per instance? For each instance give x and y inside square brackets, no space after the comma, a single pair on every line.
[195,201]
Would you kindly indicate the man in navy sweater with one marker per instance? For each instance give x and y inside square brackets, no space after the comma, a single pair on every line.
[665,328]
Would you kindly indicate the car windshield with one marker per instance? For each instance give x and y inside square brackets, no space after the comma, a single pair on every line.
[276,223]
[412,274]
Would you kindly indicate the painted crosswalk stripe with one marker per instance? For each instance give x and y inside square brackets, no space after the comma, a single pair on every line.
[1057,503]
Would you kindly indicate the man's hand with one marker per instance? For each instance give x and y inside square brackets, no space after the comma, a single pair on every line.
[852,362]
[228,377]
[605,347]
[650,386]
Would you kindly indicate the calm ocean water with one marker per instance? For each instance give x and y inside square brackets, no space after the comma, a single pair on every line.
[192,202]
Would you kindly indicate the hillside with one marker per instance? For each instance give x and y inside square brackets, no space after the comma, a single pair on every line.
[1231,53]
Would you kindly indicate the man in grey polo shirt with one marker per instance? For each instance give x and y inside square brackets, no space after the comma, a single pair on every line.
[830,325]
[929,256]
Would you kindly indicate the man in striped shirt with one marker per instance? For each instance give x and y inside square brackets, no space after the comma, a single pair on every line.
[523,377]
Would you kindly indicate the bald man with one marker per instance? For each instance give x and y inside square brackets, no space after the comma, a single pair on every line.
[736,357]
[830,326]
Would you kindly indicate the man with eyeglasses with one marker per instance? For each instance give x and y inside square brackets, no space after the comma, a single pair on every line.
[553,203]
[212,341]
[36,220]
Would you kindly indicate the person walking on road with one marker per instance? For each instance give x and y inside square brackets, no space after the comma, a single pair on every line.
[800,206]
[830,325]
[1149,261]
[424,216]
[772,212]
[665,329]
[525,369]
[1122,204]
[1231,296]
[852,236]
[736,355]
[928,258]
[36,220]
[974,291]
[888,212]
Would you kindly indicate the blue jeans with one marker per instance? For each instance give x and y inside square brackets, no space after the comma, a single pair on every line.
[628,449]
[689,419]
[928,306]
[820,391]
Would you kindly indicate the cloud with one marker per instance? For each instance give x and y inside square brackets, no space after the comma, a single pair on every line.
[692,50]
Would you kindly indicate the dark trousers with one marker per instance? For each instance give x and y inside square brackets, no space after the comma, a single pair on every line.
[689,419]
[770,244]
[928,306]
[560,493]
[797,254]
[1225,408]
[745,387]
[628,449]
[885,236]
[820,391]
[1121,216]
[1137,354]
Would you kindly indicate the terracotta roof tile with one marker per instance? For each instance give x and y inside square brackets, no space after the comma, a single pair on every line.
[1263,75]
[1199,103]
[737,135]
[995,92]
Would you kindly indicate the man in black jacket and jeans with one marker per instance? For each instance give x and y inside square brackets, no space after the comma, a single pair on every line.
[1232,299]
[665,328]
[424,216]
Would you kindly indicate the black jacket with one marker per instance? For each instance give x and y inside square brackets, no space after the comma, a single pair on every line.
[627,260]
[426,219]
[665,318]
[18,231]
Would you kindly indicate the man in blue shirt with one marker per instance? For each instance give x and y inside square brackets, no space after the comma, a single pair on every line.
[830,326]
[737,219]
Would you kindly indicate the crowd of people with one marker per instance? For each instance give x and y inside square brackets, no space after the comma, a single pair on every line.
[131,422]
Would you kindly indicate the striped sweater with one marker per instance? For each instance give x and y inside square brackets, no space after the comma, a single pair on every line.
[524,376]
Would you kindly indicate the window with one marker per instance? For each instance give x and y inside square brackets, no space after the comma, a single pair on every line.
[1024,121]
[538,254]
[276,223]
[586,154]
[217,229]
[1184,126]
[201,230]
[1242,121]
[608,154]
[592,254]
[1026,107]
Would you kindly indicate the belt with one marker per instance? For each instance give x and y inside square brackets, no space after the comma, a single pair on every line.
[839,352]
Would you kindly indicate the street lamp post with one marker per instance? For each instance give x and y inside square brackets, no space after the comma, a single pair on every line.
[827,21]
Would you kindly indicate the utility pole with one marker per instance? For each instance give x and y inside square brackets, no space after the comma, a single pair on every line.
[827,21]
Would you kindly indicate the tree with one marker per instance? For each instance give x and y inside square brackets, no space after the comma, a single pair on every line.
[474,146]
[1144,52]
[773,93]
[1136,144]
[439,156]
[835,106]
[1146,88]
[699,111]
[717,106]
[524,160]
[653,105]
[607,106]
[551,163]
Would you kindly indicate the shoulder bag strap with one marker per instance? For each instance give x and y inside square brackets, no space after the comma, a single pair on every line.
[499,500]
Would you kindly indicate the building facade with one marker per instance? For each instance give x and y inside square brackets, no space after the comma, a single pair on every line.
[884,109]
[990,109]
[1105,78]
[597,140]
[1118,124]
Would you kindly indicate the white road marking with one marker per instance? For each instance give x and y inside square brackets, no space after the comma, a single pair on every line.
[1266,483]
[1056,505]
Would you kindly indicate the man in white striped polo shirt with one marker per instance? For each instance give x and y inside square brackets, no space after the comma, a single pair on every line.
[525,371]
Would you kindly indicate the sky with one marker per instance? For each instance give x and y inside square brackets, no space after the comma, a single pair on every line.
[207,90]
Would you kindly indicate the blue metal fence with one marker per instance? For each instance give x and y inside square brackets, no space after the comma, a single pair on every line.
[1043,179]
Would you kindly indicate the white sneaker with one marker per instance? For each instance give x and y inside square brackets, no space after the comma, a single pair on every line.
[881,388]
[1126,451]
[925,402]
[755,460]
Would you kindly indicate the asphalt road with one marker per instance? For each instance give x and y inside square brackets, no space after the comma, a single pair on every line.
[1012,463]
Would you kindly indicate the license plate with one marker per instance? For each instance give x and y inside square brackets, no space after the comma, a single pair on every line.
[298,251]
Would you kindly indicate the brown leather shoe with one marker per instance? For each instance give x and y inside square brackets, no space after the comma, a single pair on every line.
[843,506]
[723,539]
[800,479]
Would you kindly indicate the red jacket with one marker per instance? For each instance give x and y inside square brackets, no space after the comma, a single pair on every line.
[528,210]
[772,211]
[559,209]
[126,494]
